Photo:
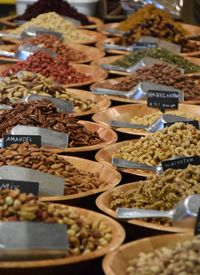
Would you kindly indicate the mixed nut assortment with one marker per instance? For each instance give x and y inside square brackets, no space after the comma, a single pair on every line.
[160,74]
[160,192]
[158,53]
[44,114]
[66,53]
[55,22]
[16,86]
[29,156]
[57,69]
[84,236]
[177,140]
[181,258]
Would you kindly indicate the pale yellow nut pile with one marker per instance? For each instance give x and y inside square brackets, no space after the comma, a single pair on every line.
[177,140]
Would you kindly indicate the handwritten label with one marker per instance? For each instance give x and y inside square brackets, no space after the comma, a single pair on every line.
[195,123]
[162,99]
[180,163]
[11,139]
[23,186]
[144,45]
[197,225]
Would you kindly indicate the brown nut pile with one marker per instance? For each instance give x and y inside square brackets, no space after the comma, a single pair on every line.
[84,236]
[151,118]
[160,192]
[161,74]
[42,62]
[177,140]
[29,156]
[181,258]
[44,114]
[151,21]
[50,42]
[14,87]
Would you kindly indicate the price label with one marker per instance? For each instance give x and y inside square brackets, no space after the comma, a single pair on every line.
[23,186]
[144,45]
[162,99]
[180,163]
[195,123]
[11,139]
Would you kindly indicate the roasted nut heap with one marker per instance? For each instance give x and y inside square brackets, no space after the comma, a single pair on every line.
[84,236]
[182,258]
[151,118]
[161,74]
[44,114]
[177,140]
[158,53]
[50,42]
[14,87]
[29,156]
[160,192]
[43,63]
[55,22]
[61,7]
[150,21]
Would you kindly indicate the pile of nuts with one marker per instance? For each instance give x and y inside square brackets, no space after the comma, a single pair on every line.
[61,7]
[44,114]
[29,156]
[42,62]
[182,258]
[50,42]
[55,22]
[151,21]
[161,74]
[160,192]
[151,118]
[84,236]
[15,87]
[177,140]
[158,53]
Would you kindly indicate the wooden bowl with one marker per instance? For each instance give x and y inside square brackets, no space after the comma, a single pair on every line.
[118,237]
[126,112]
[106,173]
[91,53]
[102,102]
[96,23]
[94,72]
[103,203]
[108,135]
[104,156]
[116,262]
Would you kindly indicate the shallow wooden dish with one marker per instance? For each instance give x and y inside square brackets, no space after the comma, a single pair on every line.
[116,262]
[118,237]
[91,53]
[109,136]
[102,102]
[94,72]
[96,23]
[104,156]
[103,202]
[106,173]
[126,112]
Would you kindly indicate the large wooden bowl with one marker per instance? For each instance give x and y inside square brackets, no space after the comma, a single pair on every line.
[117,233]
[102,102]
[96,23]
[104,156]
[116,262]
[106,173]
[96,74]
[126,112]
[103,202]
[91,53]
